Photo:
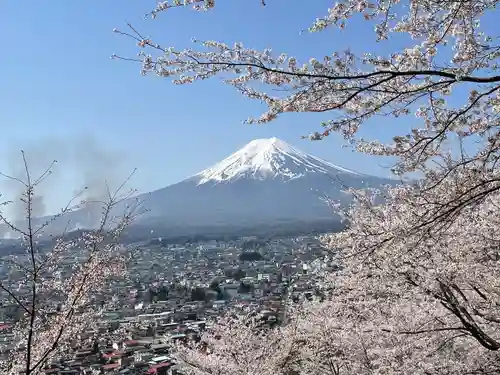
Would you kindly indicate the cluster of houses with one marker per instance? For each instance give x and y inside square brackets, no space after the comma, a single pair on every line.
[174,294]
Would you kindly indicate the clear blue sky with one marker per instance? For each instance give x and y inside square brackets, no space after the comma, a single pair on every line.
[58,84]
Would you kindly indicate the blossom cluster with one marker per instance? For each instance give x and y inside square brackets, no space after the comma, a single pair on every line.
[417,80]
[59,286]
[418,292]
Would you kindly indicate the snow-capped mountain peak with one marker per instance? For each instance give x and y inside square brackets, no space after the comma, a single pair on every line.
[268,159]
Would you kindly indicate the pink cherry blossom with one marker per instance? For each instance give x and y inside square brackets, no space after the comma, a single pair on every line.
[56,294]
[418,289]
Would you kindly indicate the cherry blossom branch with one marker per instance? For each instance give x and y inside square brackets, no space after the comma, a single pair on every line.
[384,75]
[419,332]
[146,42]
[416,289]
[78,289]
[15,298]
[463,315]
[42,333]
[31,251]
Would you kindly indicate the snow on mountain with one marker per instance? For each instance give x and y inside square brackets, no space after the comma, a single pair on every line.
[267,181]
[267,158]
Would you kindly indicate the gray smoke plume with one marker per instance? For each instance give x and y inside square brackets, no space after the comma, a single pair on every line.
[95,166]
[101,171]
[39,157]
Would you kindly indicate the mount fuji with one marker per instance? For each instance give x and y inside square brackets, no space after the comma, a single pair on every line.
[267,181]
[264,159]
[264,184]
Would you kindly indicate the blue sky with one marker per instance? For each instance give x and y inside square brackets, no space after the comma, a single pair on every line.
[59,86]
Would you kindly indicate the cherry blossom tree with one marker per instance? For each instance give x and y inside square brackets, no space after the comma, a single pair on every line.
[418,292]
[239,345]
[55,281]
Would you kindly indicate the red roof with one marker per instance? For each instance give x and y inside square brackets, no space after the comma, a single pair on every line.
[153,369]
[111,355]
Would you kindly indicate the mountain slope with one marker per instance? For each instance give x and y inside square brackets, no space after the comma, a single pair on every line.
[267,159]
[266,182]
